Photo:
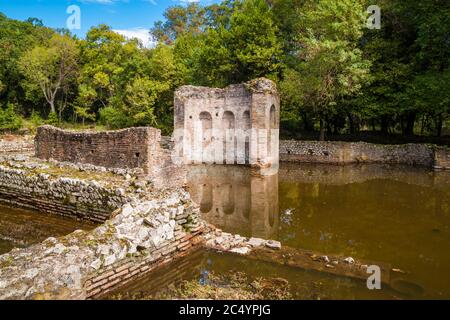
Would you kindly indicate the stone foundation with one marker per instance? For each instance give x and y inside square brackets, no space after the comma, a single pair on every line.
[16,144]
[145,234]
[127,148]
[356,152]
[75,198]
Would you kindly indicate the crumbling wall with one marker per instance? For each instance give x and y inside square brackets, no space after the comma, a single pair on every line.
[74,198]
[127,148]
[85,264]
[238,124]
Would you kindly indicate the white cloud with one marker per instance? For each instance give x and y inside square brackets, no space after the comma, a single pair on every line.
[140,33]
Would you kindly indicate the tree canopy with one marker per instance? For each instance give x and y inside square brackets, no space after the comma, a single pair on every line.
[335,75]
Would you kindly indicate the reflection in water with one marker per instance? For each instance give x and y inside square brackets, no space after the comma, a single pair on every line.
[392,214]
[231,198]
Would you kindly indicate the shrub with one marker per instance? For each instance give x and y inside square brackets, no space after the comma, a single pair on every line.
[52,119]
[9,120]
[113,118]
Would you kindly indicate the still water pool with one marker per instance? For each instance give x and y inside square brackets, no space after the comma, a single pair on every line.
[22,228]
[389,214]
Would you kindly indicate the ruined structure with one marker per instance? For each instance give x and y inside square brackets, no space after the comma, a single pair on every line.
[127,148]
[235,125]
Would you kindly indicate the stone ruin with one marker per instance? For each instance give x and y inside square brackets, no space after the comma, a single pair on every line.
[235,125]
[128,148]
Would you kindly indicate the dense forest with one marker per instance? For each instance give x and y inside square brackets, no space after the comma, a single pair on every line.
[335,75]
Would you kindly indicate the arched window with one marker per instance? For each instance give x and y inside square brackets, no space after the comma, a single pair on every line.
[229,141]
[206,121]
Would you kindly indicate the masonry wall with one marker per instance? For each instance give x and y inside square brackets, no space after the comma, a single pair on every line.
[17,145]
[238,124]
[127,148]
[142,236]
[62,196]
[355,152]
[133,268]
[442,158]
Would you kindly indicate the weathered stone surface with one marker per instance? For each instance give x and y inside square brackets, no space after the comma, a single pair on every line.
[59,268]
[16,144]
[127,148]
[235,125]
[356,152]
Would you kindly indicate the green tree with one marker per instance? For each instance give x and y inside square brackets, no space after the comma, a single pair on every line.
[330,67]
[51,68]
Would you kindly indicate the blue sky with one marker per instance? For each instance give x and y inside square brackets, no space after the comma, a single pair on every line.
[128,17]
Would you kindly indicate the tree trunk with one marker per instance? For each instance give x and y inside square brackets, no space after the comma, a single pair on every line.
[52,106]
[384,125]
[410,120]
[322,130]
[439,126]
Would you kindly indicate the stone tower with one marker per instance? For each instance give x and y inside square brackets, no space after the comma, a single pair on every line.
[238,124]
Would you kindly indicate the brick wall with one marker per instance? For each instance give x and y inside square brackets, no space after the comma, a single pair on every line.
[134,268]
[127,148]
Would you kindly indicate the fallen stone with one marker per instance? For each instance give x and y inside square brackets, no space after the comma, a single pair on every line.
[349,260]
[241,250]
[272,244]
[256,242]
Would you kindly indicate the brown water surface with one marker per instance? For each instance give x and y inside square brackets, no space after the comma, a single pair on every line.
[390,214]
[22,228]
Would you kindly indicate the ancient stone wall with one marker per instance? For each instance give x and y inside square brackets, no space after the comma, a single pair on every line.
[127,148]
[355,152]
[85,264]
[235,125]
[16,144]
[75,198]
[442,158]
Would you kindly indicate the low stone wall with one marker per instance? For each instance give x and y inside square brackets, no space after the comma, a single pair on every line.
[83,265]
[442,158]
[356,152]
[127,148]
[75,198]
[16,144]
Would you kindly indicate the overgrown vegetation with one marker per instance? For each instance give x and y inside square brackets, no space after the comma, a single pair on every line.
[228,286]
[335,75]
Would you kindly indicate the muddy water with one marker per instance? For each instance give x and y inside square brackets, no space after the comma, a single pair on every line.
[388,214]
[21,228]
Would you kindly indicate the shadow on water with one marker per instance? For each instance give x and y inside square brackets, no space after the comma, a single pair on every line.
[393,214]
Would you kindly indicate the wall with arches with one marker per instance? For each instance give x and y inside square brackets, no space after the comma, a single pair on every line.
[238,124]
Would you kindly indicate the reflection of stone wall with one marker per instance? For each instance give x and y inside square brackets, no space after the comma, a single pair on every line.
[128,148]
[355,152]
[235,125]
[236,201]
[358,173]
